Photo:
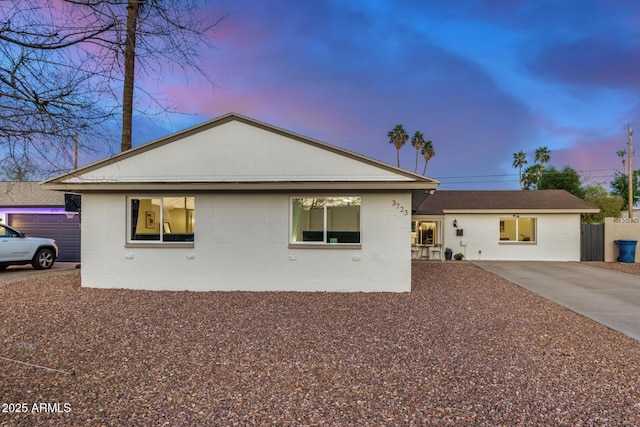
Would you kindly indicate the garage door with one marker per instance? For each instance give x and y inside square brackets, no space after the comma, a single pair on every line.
[65,231]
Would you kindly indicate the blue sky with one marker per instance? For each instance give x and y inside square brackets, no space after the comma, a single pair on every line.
[481,79]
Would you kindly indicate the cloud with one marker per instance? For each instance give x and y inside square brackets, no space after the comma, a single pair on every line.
[481,79]
[347,76]
[590,62]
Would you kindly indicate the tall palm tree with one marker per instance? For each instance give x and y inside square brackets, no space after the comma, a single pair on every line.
[417,141]
[427,152]
[133,12]
[398,136]
[543,155]
[519,160]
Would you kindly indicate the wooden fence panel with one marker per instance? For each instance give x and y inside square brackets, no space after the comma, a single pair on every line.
[591,242]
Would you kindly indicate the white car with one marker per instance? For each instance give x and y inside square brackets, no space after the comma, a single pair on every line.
[18,249]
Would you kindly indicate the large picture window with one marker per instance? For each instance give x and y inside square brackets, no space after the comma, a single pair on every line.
[325,220]
[162,219]
[518,230]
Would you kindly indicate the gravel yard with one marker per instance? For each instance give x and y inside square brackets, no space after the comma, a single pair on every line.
[464,348]
[631,268]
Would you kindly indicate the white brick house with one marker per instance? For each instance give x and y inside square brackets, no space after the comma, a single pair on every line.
[537,225]
[236,204]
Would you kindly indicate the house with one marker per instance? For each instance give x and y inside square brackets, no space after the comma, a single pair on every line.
[39,212]
[503,225]
[237,204]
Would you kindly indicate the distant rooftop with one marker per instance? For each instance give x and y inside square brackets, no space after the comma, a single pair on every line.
[15,193]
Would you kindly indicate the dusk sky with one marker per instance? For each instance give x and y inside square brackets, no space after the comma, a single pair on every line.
[481,79]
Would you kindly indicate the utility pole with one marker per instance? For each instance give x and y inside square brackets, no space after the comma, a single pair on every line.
[630,154]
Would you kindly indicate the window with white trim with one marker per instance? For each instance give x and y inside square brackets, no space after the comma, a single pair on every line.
[518,230]
[161,219]
[325,220]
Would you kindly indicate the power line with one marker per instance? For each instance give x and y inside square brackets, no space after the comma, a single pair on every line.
[581,171]
[585,176]
[475,176]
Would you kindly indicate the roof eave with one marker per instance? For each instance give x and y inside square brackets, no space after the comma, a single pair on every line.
[242,186]
[519,211]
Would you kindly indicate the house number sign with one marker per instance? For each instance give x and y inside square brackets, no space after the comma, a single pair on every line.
[401,208]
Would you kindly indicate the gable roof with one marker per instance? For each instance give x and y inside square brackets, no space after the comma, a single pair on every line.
[237,153]
[28,194]
[507,201]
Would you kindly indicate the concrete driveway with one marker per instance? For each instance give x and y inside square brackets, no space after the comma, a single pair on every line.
[16,273]
[608,297]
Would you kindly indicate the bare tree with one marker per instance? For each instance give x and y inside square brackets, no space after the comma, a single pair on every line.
[42,106]
[75,63]
[160,34]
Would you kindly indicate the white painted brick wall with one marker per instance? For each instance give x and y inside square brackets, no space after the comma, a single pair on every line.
[242,243]
[558,237]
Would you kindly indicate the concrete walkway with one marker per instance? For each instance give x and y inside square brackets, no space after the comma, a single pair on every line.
[609,297]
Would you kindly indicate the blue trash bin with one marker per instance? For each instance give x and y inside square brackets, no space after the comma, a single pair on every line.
[627,250]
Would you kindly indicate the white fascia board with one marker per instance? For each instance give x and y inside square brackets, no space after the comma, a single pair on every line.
[427,217]
[519,211]
[241,186]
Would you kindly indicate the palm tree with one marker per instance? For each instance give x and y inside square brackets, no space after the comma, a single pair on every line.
[543,155]
[417,141]
[133,11]
[622,154]
[428,152]
[532,176]
[398,136]
[519,160]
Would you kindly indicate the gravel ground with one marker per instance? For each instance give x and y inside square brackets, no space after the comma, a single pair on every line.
[464,348]
[619,266]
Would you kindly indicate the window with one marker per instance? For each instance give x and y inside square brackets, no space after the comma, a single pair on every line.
[423,232]
[8,232]
[162,219]
[325,220]
[518,230]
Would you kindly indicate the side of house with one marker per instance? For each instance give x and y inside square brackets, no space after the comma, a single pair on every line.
[236,204]
[246,242]
[506,236]
[541,225]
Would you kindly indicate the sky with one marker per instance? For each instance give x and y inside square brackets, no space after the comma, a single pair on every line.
[481,79]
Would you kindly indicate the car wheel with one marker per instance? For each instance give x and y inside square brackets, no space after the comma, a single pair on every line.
[43,260]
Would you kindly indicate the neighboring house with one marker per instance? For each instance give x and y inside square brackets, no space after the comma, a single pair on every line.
[237,204]
[504,225]
[625,213]
[41,213]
